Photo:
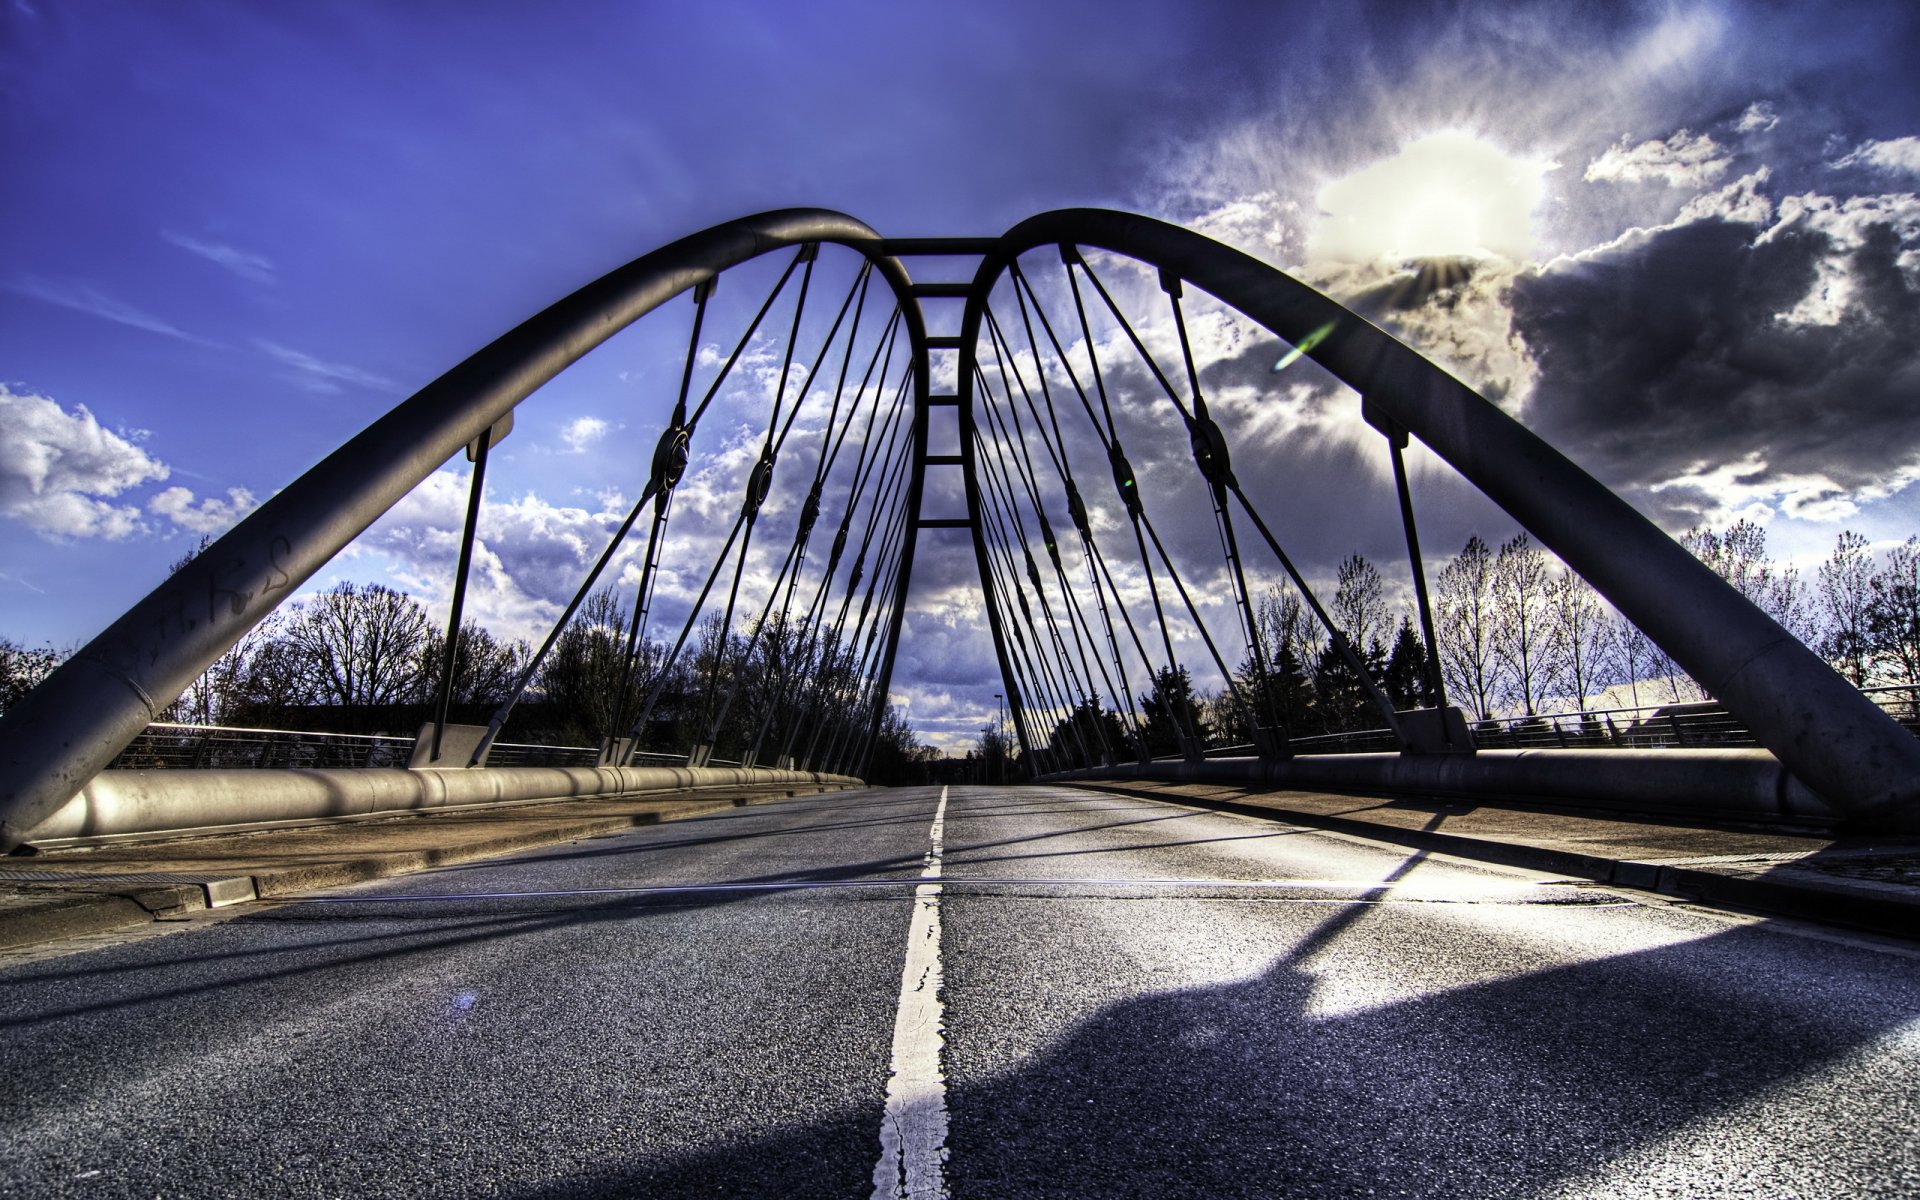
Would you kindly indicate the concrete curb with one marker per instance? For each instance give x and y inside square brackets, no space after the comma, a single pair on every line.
[87,908]
[1784,892]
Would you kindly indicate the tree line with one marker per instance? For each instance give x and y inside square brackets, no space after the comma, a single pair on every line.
[367,659]
[1517,635]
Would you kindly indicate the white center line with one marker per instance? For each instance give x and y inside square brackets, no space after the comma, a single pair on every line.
[913,1134]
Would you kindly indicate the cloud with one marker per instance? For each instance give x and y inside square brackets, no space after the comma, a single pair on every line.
[318,375]
[1741,201]
[1785,350]
[84,298]
[1261,225]
[582,432]
[243,263]
[209,515]
[1759,117]
[1898,156]
[1684,160]
[59,470]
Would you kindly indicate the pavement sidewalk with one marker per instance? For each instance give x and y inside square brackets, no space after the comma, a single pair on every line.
[79,890]
[1868,883]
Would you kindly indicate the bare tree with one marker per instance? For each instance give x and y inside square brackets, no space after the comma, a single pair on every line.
[1523,621]
[1286,627]
[360,647]
[1360,609]
[584,675]
[484,670]
[273,680]
[1581,634]
[1463,593]
[1631,653]
[1845,588]
[1893,617]
[1739,556]
[220,694]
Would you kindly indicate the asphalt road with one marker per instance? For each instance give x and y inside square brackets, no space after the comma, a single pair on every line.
[1138,1000]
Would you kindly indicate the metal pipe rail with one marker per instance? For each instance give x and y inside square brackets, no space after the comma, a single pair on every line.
[1721,784]
[123,803]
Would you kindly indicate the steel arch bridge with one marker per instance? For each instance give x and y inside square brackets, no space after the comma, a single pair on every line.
[1010,430]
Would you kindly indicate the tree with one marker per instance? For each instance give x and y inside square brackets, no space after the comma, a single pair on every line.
[360,648]
[1291,644]
[897,757]
[1170,711]
[1405,677]
[1090,726]
[1359,608]
[1739,556]
[1464,595]
[584,676]
[22,668]
[484,669]
[1522,621]
[219,695]
[1893,615]
[272,678]
[1581,634]
[1845,589]
[994,749]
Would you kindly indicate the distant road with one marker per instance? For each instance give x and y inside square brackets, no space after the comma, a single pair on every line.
[1017,992]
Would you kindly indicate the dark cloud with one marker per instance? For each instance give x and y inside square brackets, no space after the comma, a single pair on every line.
[1670,353]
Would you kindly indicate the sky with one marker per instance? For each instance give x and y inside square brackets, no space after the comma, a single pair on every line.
[1681,241]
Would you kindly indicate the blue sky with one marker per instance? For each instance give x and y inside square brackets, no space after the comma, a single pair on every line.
[234,233]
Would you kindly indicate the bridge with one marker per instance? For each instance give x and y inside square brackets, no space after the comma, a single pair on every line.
[1175,962]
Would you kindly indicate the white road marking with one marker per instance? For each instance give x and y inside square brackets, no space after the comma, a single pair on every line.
[913,1133]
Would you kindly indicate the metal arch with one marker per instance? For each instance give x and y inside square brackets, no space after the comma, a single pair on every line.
[70,727]
[1820,727]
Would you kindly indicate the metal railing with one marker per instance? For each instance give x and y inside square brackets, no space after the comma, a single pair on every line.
[1698,724]
[165,745]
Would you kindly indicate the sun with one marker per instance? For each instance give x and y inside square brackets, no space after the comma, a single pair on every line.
[1447,195]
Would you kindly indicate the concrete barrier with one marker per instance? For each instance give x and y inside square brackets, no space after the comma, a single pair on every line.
[1738,784]
[117,803]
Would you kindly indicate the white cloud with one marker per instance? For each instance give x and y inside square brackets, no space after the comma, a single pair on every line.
[582,432]
[1760,117]
[84,298]
[243,263]
[1685,160]
[58,470]
[1741,202]
[318,375]
[210,515]
[1900,155]
[1261,225]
